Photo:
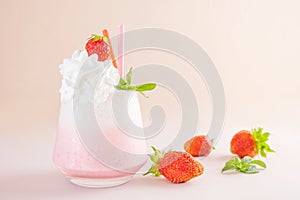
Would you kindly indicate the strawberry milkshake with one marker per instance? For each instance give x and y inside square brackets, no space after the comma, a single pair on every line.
[72,155]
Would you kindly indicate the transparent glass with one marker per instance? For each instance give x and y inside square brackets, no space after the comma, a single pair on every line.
[73,157]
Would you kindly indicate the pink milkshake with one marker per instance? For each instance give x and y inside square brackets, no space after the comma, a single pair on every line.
[72,155]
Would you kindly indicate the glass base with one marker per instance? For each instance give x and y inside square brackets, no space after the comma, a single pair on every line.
[100,182]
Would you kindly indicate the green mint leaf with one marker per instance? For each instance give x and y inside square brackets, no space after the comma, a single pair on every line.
[251,169]
[246,160]
[126,85]
[128,76]
[237,160]
[259,163]
[146,87]
[122,81]
[245,165]
[228,166]
[121,87]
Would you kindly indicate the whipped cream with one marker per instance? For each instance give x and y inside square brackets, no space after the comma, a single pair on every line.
[81,72]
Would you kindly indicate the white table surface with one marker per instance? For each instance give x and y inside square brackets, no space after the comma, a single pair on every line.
[27,172]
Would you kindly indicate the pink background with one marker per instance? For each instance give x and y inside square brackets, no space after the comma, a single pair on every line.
[254,44]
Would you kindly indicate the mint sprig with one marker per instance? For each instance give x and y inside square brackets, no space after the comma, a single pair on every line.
[125,84]
[245,165]
[261,139]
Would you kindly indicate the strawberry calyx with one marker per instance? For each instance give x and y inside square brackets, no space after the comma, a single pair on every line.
[96,38]
[261,139]
[155,158]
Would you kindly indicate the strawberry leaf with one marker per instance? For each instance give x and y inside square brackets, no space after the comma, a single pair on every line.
[96,38]
[268,148]
[261,138]
[263,153]
[155,158]
[153,170]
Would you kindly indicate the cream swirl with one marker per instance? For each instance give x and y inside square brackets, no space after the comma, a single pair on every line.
[89,68]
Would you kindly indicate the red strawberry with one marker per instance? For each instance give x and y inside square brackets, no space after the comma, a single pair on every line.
[99,45]
[245,143]
[177,167]
[198,146]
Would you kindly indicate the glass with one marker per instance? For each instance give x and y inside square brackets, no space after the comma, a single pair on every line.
[73,157]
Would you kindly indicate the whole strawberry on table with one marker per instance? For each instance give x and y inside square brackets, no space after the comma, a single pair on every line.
[246,143]
[176,166]
[199,146]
